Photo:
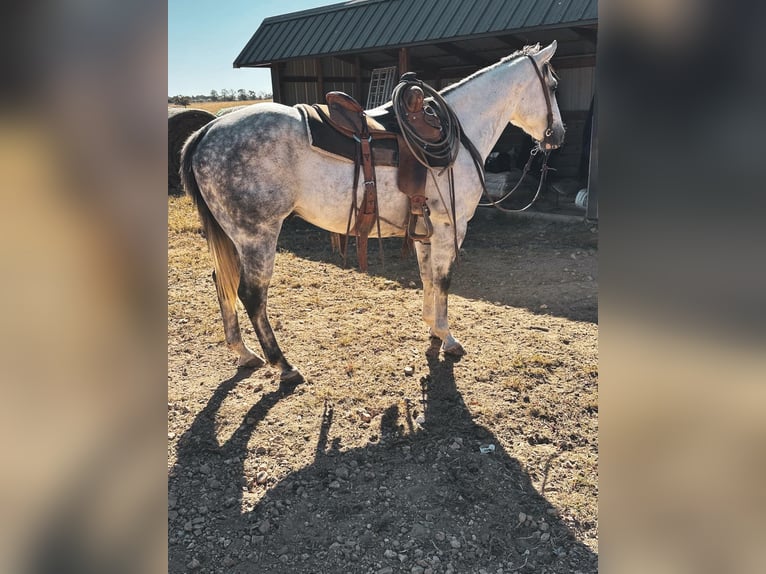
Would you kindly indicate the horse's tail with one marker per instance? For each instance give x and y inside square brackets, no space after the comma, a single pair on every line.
[222,250]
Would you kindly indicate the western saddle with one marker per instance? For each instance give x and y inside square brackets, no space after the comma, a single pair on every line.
[342,127]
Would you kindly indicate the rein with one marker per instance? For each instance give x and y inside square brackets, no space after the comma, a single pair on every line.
[544,172]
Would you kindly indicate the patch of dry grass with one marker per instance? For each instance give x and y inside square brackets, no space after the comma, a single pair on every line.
[182,217]
[535,365]
[215,107]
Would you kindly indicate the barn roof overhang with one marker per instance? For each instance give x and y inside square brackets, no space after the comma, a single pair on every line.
[460,34]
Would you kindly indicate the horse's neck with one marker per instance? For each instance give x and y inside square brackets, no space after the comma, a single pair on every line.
[484,103]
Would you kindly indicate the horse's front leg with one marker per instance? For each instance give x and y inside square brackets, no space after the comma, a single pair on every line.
[423,251]
[442,263]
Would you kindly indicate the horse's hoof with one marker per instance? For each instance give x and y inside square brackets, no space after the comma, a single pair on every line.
[250,362]
[291,377]
[454,349]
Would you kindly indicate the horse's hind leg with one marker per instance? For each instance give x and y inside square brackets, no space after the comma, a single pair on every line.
[257,258]
[247,358]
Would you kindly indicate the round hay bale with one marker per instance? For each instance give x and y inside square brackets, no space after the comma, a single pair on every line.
[182,122]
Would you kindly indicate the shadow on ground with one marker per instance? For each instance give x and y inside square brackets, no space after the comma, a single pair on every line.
[417,498]
[545,267]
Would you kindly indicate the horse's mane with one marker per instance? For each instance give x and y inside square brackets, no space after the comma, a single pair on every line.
[525,51]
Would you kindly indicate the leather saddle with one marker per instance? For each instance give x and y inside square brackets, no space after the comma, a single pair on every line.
[343,128]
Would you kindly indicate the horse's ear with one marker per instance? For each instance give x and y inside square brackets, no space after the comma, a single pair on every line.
[546,53]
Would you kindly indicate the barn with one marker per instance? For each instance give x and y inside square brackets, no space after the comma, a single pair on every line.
[362,47]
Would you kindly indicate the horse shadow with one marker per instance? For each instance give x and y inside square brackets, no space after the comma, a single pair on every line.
[422,497]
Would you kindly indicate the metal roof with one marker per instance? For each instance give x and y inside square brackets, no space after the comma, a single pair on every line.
[359,25]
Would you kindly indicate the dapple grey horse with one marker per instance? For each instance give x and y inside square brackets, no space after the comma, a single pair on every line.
[248,170]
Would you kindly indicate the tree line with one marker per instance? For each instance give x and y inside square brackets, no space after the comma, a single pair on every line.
[220,96]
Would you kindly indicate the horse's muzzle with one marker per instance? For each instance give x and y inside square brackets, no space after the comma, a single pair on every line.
[554,139]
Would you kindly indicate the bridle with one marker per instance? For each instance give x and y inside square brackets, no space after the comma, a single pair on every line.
[545,145]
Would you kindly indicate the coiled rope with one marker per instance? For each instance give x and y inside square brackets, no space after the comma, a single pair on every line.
[444,152]
[441,153]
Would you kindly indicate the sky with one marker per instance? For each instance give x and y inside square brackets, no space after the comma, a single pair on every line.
[205,36]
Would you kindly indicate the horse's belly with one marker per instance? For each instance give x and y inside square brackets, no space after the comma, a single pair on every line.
[325,199]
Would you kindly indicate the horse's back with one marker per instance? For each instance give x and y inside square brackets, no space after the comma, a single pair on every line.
[264,122]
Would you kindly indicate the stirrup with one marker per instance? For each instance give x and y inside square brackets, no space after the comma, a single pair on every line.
[413,221]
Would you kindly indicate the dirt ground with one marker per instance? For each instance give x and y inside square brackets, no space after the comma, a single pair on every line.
[364,468]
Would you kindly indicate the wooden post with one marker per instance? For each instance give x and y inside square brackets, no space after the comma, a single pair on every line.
[404,61]
[320,79]
[592,212]
[357,79]
[276,82]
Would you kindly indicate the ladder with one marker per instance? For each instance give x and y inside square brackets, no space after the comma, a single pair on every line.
[382,84]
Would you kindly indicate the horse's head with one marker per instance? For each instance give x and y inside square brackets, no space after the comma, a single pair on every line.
[537,112]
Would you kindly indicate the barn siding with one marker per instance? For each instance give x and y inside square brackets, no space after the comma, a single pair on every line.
[300,87]
[305,67]
[576,88]
[336,67]
[297,92]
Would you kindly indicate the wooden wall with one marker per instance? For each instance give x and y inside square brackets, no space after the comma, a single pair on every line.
[308,80]
[576,86]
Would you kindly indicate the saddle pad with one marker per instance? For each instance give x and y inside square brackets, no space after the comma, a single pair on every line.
[323,136]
